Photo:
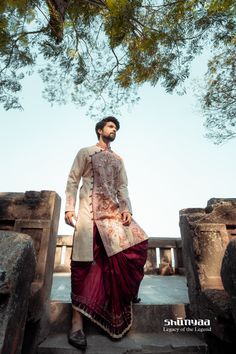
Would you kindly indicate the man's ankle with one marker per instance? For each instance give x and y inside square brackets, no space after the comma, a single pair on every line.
[76,325]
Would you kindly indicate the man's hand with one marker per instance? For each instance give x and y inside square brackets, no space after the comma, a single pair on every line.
[69,216]
[126,218]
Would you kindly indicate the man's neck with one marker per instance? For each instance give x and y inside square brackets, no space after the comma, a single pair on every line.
[105,144]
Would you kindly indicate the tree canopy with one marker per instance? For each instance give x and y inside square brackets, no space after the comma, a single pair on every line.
[98,52]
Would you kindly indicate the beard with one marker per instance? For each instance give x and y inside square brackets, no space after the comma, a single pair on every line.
[110,137]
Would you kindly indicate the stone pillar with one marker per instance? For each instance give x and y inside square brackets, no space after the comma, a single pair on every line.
[17,269]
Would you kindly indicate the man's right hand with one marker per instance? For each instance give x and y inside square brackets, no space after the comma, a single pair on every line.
[69,216]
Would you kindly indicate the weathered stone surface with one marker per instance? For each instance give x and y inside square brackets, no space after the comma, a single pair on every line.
[132,343]
[31,205]
[17,264]
[228,274]
[205,235]
[228,268]
[4,283]
[218,211]
[35,214]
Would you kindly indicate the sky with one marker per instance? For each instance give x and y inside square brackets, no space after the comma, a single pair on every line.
[169,162]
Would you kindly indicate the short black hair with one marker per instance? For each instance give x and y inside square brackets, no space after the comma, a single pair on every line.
[101,124]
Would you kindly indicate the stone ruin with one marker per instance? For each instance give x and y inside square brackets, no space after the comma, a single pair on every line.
[29,224]
[209,254]
[16,275]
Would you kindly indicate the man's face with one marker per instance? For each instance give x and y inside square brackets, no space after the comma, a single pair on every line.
[109,131]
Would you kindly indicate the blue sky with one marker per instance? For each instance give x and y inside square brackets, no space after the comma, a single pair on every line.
[170,164]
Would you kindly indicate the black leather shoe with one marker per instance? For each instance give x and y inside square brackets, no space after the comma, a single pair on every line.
[136,300]
[78,339]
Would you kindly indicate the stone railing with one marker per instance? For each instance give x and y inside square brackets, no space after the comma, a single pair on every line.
[164,255]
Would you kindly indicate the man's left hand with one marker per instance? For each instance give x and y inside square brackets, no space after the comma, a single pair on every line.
[126,218]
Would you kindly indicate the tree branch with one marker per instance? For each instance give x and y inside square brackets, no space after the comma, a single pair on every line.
[97,2]
[117,60]
[14,42]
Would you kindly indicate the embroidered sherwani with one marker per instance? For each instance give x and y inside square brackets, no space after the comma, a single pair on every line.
[103,196]
[108,258]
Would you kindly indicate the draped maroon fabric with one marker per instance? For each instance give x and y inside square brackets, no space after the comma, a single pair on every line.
[103,289]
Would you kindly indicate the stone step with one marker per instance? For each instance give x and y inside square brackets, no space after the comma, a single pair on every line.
[146,317]
[135,343]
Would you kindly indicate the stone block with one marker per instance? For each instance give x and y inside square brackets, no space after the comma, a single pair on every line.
[17,264]
[228,274]
[36,214]
[205,235]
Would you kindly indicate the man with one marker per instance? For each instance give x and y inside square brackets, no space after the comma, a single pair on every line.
[109,247]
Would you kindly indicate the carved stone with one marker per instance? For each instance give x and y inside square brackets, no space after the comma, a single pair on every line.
[205,235]
[35,214]
[17,269]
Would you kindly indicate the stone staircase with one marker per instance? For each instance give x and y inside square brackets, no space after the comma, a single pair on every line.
[147,335]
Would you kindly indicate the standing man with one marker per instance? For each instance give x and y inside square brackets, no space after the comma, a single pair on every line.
[109,247]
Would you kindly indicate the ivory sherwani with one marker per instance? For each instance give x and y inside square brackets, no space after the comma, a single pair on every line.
[103,196]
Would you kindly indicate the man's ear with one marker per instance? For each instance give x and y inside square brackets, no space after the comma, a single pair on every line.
[99,131]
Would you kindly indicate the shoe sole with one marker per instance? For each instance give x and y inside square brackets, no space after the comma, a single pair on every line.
[78,346]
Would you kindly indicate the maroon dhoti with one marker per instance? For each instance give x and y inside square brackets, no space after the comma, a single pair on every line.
[103,289]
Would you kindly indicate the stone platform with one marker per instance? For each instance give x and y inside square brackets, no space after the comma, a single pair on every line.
[153,289]
[135,343]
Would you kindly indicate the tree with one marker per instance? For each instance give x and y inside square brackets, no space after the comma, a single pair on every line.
[98,52]
[219,100]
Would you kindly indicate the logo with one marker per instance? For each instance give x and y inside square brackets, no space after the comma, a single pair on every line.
[186,325]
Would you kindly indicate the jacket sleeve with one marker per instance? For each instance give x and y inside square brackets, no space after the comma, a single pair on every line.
[122,191]
[74,178]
